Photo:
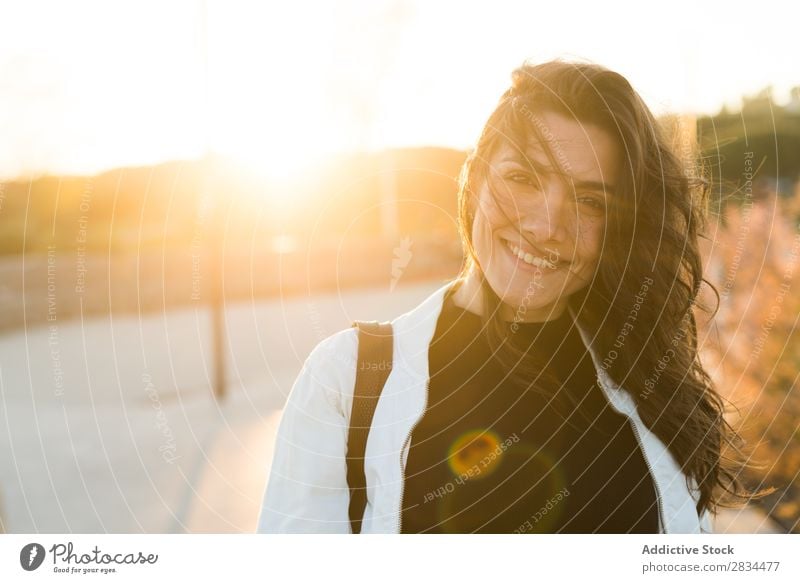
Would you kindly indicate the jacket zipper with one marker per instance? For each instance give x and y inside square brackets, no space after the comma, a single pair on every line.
[402,467]
[659,504]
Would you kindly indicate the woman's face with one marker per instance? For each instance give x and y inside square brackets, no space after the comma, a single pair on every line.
[548,244]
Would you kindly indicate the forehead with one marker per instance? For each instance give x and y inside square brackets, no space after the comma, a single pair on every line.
[581,149]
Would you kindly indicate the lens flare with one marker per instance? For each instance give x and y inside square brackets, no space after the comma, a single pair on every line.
[528,495]
[476,453]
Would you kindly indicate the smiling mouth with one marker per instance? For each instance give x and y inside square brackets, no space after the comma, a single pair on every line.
[531,259]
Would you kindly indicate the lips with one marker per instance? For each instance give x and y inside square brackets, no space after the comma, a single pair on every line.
[535,251]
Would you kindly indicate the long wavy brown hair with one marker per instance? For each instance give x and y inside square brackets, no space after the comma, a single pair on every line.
[651,259]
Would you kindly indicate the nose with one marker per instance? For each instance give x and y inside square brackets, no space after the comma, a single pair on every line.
[549,214]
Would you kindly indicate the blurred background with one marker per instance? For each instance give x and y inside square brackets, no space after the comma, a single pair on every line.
[194,193]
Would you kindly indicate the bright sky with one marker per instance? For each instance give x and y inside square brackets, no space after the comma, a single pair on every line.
[90,85]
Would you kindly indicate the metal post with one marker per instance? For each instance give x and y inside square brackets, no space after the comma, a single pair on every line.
[217,301]
[215,240]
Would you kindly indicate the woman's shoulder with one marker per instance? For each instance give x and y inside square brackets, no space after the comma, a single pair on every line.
[338,350]
[336,355]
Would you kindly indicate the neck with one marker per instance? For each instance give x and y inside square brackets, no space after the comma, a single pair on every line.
[469,296]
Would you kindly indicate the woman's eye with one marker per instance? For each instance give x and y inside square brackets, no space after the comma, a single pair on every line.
[593,203]
[520,177]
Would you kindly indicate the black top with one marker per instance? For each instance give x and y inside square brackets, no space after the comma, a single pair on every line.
[488,456]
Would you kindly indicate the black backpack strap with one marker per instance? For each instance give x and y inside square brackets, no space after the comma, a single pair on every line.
[374,366]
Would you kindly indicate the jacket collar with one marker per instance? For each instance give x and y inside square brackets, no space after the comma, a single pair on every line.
[414,332]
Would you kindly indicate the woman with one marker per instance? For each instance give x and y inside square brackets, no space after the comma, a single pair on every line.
[555,384]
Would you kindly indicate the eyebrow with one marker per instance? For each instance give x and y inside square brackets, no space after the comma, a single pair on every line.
[593,185]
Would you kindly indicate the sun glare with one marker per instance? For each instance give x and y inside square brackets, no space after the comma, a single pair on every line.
[282,86]
[270,102]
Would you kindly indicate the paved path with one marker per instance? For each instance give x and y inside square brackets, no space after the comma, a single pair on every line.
[109,425]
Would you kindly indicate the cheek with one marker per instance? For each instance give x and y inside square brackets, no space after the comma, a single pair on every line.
[487,220]
[481,233]
[590,238]
[486,211]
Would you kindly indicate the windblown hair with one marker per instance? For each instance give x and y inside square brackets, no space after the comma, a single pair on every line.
[639,306]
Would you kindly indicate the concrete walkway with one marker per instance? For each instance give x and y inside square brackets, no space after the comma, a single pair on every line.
[109,425]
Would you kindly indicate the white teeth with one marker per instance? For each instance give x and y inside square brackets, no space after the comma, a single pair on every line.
[530,259]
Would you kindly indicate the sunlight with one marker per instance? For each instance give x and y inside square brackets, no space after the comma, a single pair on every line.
[281,86]
[269,93]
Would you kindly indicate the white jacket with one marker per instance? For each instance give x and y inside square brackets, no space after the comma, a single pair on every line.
[307,490]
